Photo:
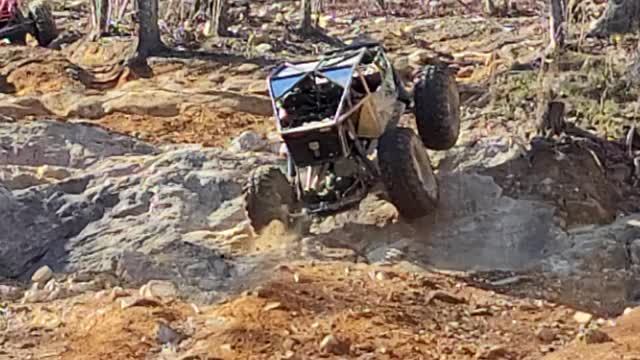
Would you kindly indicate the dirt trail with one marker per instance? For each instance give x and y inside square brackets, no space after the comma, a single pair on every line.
[371,311]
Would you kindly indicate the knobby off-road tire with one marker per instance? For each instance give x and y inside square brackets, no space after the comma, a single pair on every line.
[21,37]
[407,174]
[269,196]
[45,26]
[437,107]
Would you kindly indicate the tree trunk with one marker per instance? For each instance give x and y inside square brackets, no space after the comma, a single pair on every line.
[99,26]
[307,25]
[552,121]
[317,7]
[149,42]
[488,7]
[620,16]
[558,13]
[219,21]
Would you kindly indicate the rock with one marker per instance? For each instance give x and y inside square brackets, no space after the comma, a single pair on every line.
[483,311]
[634,251]
[217,78]
[122,195]
[444,297]
[167,335]
[263,48]
[35,295]
[546,335]
[50,285]
[288,344]
[21,107]
[118,292]
[56,172]
[493,353]
[289,355]
[154,103]
[230,215]
[419,57]
[21,177]
[43,318]
[246,68]
[237,84]
[381,276]
[582,317]
[506,281]
[134,301]
[594,336]
[272,306]
[158,289]
[10,293]
[42,275]
[248,141]
[83,287]
[331,344]
[89,107]
[258,87]
[628,311]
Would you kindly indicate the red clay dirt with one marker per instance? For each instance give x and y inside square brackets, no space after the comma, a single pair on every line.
[306,311]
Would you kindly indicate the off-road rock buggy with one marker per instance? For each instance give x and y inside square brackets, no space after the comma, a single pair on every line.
[37,21]
[338,117]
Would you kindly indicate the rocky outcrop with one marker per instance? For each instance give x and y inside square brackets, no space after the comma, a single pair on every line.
[78,198]
[122,205]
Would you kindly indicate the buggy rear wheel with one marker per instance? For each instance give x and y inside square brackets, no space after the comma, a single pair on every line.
[45,26]
[269,196]
[437,107]
[17,38]
[407,174]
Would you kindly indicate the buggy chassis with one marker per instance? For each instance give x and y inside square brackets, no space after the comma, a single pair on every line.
[338,117]
[336,133]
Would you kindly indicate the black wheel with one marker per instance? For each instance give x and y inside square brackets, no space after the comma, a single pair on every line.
[407,174]
[437,107]
[21,37]
[269,196]
[18,39]
[45,26]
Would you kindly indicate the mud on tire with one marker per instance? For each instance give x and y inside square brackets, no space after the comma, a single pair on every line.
[407,174]
[45,26]
[269,196]
[437,107]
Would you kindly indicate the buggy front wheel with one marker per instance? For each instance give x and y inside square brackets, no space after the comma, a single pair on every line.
[407,173]
[45,25]
[269,196]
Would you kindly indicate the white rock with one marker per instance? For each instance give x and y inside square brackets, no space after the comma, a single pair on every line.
[35,295]
[117,292]
[582,317]
[51,285]
[263,48]
[246,68]
[418,57]
[57,293]
[82,287]
[248,141]
[158,288]
[10,292]
[628,311]
[42,275]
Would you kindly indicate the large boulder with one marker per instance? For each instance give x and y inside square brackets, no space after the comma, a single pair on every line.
[124,206]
